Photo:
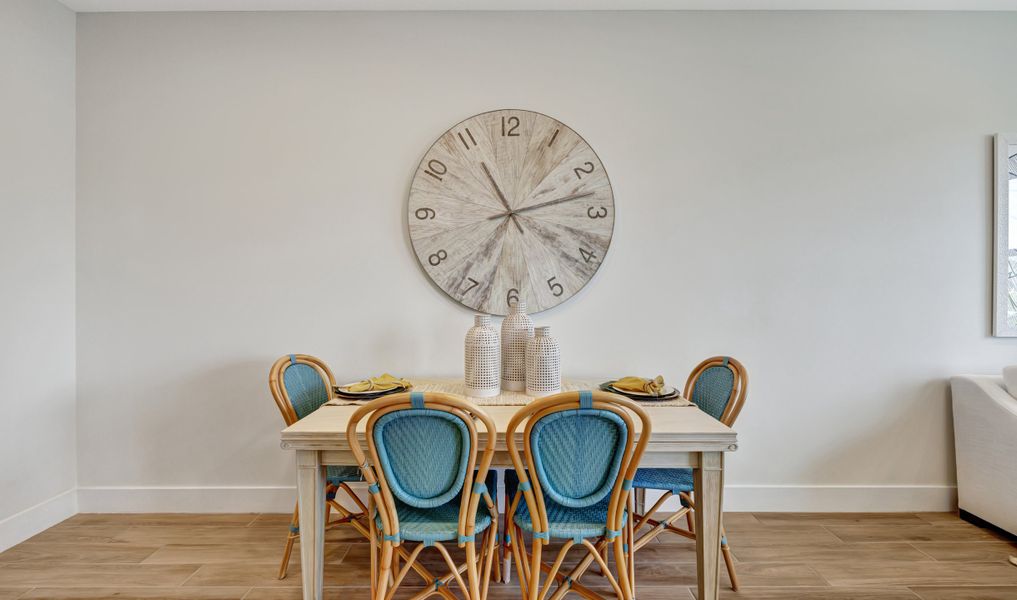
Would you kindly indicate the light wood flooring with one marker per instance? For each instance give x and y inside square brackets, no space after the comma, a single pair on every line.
[779,556]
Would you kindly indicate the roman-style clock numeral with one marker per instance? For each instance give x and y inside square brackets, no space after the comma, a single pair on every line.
[436,168]
[510,206]
[554,136]
[468,140]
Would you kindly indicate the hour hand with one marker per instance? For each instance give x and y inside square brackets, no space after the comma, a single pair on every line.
[497,189]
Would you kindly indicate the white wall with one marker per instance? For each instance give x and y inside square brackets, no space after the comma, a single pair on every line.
[37,429]
[807,192]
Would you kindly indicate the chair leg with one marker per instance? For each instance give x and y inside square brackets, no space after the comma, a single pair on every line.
[631,543]
[687,498]
[535,569]
[385,570]
[290,538]
[507,555]
[728,560]
[724,548]
[395,564]
[374,550]
[496,554]
[515,546]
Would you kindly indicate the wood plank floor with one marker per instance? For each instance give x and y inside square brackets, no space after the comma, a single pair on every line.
[779,556]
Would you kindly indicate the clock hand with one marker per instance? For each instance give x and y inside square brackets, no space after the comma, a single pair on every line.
[515,220]
[497,189]
[543,204]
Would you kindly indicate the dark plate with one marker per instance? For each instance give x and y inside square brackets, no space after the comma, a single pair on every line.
[340,394]
[606,386]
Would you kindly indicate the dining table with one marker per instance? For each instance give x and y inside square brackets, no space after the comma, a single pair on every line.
[682,436]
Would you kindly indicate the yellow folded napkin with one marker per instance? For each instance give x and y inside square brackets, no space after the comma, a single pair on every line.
[380,383]
[638,384]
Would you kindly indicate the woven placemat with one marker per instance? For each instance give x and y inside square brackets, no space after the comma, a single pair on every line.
[457,387]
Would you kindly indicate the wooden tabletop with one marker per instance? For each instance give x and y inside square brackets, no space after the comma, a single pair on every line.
[675,429]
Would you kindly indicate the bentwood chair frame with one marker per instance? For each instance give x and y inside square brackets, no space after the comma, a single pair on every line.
[618,528]
[733,407]
[277,385]
[386,545]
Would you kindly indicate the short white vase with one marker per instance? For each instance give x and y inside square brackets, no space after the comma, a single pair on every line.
[543,364]
[482,359]
[516,332]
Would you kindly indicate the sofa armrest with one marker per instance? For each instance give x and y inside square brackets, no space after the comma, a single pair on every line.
[985,435]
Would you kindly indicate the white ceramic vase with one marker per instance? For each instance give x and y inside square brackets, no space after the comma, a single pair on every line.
[543,364]
[516,332]
[482,359]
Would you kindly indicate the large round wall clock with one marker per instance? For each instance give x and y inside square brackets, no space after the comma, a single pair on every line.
[510,205]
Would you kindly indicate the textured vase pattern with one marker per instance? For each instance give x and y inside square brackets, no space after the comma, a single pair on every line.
[543,364]
[516,332]
[482,359]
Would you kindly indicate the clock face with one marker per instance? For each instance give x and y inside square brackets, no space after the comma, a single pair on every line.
[509,205]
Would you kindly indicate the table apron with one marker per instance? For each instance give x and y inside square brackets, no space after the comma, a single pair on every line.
[674,459]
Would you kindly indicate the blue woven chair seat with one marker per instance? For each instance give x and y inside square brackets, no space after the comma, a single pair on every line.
[668,480]
[568,523]
[336,474]
[438,524]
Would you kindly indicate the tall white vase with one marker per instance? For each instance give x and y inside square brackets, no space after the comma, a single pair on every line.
[516,332]
[483,359]
[543,364]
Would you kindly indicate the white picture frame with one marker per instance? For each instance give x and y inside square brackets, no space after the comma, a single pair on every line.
[1004,303]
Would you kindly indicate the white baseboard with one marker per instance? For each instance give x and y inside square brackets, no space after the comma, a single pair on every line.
[833,498]
[737,498]
[254,499]
[23,525]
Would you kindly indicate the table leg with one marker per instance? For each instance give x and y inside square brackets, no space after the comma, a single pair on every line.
[709,483]
[311,496]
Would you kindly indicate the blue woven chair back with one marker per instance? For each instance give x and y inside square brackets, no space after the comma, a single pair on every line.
[306,389]
[714,389]
[577,454]
[424,455]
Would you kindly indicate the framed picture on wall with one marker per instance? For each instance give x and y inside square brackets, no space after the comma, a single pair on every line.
[1004,306]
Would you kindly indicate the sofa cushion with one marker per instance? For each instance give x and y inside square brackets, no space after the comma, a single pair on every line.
[1010,379]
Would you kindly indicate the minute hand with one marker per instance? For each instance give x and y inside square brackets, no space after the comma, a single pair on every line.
[548,203]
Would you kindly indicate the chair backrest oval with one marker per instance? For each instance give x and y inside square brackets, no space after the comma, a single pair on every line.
[718,386]
[306,389]
[579,448]
[300,384]
[577,454]
[424,455]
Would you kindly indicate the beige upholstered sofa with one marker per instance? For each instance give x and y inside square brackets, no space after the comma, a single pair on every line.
[985,435]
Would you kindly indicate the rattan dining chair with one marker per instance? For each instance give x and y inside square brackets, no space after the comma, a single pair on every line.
[718,386]
[300,384]
[426,471]
[580,452]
